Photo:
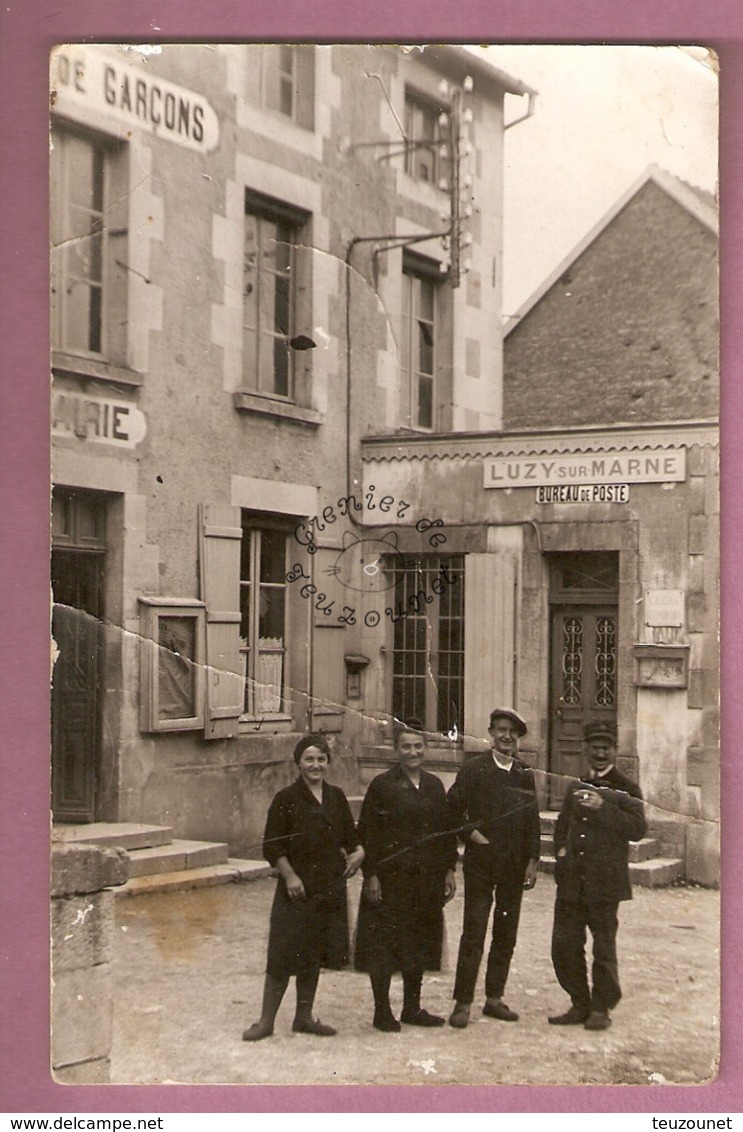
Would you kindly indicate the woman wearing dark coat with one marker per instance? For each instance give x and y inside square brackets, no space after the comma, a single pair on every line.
[409,865]
[311,840]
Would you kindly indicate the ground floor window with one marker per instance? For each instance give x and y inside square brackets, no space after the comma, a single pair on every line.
[428,642]
[263,615]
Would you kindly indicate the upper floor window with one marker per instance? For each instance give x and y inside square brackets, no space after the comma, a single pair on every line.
[77,243]
[271,287]
[426,130]
[420,299]
[284,80]
[88,233]
[88,257]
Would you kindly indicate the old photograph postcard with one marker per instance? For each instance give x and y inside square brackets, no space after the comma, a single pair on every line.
[385,564]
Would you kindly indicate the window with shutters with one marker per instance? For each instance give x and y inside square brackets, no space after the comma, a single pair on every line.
[89,231]
[263,614]
[274,290]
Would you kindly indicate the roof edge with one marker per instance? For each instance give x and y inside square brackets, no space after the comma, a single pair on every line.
[456,59]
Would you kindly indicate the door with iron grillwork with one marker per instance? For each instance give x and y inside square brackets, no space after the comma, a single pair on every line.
[583,659]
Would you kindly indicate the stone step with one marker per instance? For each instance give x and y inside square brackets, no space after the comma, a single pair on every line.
[644,850]
[177,855]
[233,870]
[117,835]
[658,873]
[670,833]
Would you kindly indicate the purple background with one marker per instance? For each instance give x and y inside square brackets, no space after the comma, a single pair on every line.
[28,30]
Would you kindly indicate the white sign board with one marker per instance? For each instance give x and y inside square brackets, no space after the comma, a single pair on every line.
[659,465]
[121,89]
[664,609]
[97,419]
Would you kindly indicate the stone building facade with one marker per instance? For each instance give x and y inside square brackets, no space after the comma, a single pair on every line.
[261,254]
[296,486]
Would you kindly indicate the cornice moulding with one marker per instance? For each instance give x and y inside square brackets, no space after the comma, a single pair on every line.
[387,450]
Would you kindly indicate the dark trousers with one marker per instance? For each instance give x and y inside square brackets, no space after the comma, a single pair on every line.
[480,885]
[569,954]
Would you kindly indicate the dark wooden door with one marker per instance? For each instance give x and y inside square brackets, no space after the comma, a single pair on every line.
[77,577]
[583,685]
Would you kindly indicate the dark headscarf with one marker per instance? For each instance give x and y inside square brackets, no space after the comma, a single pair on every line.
[318,741]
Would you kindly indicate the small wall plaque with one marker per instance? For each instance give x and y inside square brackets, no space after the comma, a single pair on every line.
[664,609]
[661,666]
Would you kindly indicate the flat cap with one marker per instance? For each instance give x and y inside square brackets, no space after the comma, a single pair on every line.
[509,713]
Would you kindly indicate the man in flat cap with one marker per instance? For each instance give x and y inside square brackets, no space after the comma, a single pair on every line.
[600,815]
[493,805]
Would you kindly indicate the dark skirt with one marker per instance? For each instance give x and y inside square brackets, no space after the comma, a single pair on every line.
[405,931]
[306,934]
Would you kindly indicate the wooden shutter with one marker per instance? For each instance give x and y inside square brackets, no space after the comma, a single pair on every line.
[219,563]
[489,639]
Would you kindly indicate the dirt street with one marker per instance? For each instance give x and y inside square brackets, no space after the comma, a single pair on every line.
[189,973]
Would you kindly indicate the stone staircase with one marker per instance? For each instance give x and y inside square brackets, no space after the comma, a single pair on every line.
[649,867]
[158,862]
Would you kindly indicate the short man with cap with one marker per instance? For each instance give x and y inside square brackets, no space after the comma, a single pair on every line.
[600,815]
[493,805]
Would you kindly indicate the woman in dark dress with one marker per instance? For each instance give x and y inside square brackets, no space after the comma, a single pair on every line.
[408,877]
[311,840]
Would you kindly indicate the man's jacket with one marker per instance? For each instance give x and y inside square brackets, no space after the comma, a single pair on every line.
[503,806]
[592,846]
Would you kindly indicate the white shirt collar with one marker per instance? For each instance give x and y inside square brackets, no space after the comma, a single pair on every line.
[499,764]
